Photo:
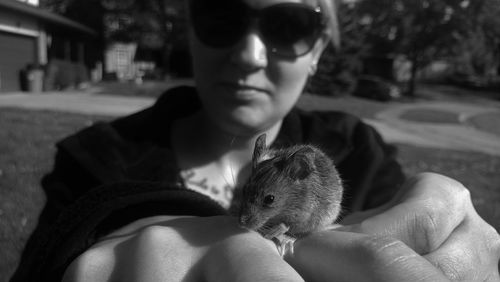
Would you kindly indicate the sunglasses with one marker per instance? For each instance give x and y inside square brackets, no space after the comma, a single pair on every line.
[287,29]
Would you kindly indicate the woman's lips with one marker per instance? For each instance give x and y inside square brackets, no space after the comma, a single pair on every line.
[241,92]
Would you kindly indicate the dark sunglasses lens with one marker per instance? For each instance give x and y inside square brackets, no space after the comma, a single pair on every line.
[290,30]
[218,23]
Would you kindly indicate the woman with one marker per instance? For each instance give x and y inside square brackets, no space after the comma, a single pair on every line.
[144,198]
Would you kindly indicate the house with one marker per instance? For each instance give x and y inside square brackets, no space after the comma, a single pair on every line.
[123,63]
[31,36]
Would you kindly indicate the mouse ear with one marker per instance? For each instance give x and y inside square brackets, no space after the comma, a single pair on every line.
[300,164]
[258,151]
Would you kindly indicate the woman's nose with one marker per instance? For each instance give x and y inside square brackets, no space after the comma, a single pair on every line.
[250,53]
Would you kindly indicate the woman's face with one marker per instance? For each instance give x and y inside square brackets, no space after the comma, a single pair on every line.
[245,88]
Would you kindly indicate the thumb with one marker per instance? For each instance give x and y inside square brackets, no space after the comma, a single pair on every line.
[346,256]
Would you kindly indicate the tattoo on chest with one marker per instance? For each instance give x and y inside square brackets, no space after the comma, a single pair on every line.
[202,183]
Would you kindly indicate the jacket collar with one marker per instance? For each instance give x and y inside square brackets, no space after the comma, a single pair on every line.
[174,104]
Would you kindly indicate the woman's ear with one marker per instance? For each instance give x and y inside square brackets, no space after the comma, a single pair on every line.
[320,47]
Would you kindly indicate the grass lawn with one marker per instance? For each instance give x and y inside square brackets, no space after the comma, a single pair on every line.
[27,141]
[477,171]
[27,147]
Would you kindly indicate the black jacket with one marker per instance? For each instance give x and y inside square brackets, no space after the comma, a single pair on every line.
[111,174]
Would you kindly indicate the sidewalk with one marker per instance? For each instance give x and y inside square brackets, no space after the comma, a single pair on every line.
[76,102]
[394,129]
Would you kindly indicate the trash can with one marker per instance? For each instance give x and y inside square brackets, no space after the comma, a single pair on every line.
[35,79]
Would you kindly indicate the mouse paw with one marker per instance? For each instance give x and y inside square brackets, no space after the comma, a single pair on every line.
[276,231]
[277,235]
[284,244]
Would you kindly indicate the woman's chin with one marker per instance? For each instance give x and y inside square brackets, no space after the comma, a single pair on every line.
[244,126]
[243,120]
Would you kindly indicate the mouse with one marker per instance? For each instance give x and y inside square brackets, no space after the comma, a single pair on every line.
[291,192]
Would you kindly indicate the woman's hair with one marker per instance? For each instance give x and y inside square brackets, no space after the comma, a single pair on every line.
[329,10]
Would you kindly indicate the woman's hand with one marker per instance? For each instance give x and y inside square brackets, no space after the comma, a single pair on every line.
[430,232]
[168,248]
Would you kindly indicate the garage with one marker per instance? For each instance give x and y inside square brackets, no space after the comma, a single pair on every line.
[16,51]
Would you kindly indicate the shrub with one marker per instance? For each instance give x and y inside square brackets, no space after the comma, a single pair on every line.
[60,74]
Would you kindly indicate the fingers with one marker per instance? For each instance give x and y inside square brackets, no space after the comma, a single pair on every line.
[426,213]
[182,249]
[471,253]
[96,264]
[246,257]
[345,256]
[435,217]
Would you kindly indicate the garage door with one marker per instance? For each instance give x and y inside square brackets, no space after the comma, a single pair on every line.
[16,52]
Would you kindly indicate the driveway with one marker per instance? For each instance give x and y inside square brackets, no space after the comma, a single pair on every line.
[454,126]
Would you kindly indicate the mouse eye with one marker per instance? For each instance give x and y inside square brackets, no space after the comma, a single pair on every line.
[268,200]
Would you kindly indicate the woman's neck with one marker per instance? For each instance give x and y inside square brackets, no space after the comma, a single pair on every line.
[199,141]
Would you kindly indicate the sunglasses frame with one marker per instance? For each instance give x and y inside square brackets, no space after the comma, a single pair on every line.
[253,18]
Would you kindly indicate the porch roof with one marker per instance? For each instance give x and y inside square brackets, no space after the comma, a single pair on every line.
[45,15]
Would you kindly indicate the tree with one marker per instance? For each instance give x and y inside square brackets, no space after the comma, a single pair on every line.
[338,69]
[423,30]
[480,45]
[155,25]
